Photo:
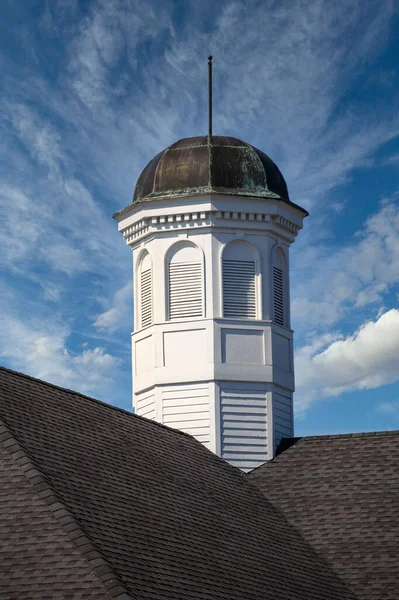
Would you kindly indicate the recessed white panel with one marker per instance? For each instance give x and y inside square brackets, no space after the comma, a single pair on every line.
[184,348]
[243,346]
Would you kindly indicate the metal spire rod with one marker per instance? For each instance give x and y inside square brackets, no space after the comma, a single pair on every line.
[210,95]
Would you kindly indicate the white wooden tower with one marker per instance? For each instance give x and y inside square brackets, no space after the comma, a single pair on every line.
[210,226]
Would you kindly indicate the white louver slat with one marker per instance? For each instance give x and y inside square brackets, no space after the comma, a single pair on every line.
[146,297]
[185,290]
[278,305]
[239,289]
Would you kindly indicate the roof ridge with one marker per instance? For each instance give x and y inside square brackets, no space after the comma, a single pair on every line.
[112,582]
[333,436]
[96,400]
[288,443]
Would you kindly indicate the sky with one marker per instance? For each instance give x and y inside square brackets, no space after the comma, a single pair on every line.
[91,90]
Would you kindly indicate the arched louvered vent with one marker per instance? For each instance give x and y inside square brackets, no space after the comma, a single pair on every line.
[239,292]
[186,283]
[278,288]
[278,296]
[239,281]
[145,296]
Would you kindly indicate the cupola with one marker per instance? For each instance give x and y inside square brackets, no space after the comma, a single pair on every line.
[210,226]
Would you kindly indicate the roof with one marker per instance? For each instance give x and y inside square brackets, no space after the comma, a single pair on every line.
[342,493]
[218,164]
[152,511]
[38,558]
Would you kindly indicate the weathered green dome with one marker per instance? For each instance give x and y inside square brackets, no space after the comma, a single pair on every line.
[216,164]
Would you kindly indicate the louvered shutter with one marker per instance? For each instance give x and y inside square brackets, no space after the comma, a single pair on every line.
[185,290]
[146,297]
[239,289]
[278,302]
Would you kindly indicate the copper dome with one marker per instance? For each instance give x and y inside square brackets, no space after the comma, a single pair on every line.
[202,165]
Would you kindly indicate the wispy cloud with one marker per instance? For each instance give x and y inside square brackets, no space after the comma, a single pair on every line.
[40,349]
[47,212]
[288,67]
[388,408]
[331,280]
[119,313]
[126,79]
[342,284]
[391,160]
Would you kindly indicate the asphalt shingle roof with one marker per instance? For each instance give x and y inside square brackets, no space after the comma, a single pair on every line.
[153,512]
[342,493]
[38,558]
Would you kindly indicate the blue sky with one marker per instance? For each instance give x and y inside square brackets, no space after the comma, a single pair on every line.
[91,90]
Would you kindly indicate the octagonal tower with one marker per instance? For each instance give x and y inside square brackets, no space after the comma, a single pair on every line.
[210,226]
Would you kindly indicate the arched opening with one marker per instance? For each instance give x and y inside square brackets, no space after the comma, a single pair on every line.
[144,286]
[239,271]
[279,287]
[185,282]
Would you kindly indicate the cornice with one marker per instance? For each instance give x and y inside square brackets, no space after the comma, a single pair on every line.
[183,220]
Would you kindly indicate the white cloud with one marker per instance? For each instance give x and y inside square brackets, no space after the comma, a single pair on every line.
[119,314]
[367,359]
[39,349]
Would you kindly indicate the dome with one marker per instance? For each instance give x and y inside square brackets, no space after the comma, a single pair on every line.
[201,165]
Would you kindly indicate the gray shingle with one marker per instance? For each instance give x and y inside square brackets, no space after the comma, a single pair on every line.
[171,519]
[342,493]
[37,558]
